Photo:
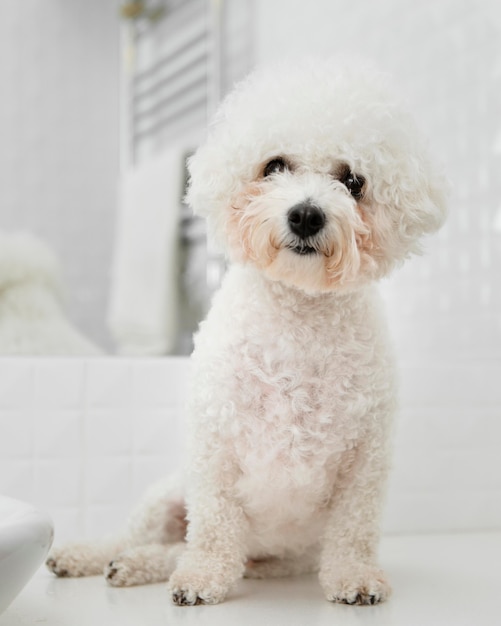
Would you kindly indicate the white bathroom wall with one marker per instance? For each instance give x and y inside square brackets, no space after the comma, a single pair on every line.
[59,138]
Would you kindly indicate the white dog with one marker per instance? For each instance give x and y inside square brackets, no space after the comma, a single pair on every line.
[315,183]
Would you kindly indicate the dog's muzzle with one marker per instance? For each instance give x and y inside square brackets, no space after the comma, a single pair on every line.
[305,220]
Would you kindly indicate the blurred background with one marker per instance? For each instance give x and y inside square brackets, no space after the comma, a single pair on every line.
[103,100]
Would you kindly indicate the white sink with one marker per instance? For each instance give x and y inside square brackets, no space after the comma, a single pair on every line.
[25,538]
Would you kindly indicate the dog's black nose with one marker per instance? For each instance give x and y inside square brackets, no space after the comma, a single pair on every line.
[305,219]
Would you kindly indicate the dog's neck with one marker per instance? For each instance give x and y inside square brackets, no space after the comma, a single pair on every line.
[292,297]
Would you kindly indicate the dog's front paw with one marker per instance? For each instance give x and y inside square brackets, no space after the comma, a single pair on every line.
[355,583]
[191,587]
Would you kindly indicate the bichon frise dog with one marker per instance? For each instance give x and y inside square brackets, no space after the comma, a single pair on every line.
[316,184]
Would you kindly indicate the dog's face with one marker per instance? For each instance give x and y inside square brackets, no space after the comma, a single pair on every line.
[316,177]
[304,223]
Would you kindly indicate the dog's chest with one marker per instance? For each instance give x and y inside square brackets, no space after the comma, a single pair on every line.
[288,454]
[286,386]
[289,439]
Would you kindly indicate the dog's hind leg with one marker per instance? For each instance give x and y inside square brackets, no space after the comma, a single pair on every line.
[159,519]
[140,565]
[160,516]
[84,558]
[155,537]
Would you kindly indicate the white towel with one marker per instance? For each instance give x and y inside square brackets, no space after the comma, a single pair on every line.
[144,288]
[32,316]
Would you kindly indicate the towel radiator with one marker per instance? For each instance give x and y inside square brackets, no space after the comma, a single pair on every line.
[179,57]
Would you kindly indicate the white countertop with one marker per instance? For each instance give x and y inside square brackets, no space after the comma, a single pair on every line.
[437,580]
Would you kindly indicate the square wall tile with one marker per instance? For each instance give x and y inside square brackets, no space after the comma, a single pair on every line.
[16,433]
[412,512]
[153,385]
[446,384]
[108,432]
[109,383]
[468,470]
[148,470]
[180,370]
[161,382]
[16,383]
[155,432]
[59,383]
[108,481]
[17,478]
[101,520]
[58,481]
[57,434]
[465,428]
[68,522]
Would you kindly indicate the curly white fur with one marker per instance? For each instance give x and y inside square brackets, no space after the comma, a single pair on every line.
[293,391]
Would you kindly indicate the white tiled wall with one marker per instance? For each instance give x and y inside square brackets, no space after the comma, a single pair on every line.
[447,461]
[83,439]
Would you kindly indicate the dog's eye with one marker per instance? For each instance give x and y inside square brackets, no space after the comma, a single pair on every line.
[354,183]
[275,166]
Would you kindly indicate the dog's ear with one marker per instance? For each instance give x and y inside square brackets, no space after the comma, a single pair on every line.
[410,196]
[421,196]
[212,183]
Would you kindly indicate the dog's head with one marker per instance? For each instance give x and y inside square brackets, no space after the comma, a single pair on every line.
[316,175]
